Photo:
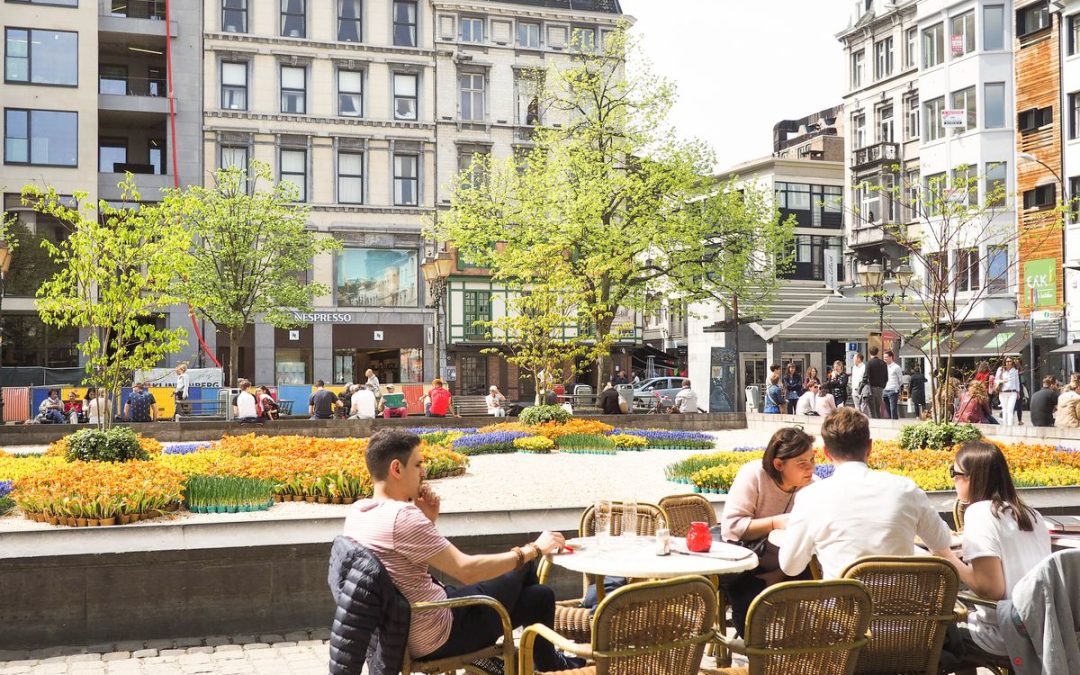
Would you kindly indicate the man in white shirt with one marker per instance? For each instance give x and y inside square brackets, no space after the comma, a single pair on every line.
[858,375]
[857,512]
[892,387]
[686,399]
[496,402]
[244,404]
[362,404]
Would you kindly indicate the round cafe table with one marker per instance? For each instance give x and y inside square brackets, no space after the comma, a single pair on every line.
[635,558]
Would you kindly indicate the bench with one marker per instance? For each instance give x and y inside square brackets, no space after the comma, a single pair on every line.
[212,408]
[469,406]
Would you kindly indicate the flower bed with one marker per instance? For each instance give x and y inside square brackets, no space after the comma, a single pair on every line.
[1031,465]
[487,444]
[6,502]
[534,444]
[672,440]
[628,442]
[586,444]
[227,494]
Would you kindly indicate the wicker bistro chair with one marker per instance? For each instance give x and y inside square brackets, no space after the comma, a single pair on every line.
[504,650]
[571,619]
[686,509]
[647,628]
[804,628]
[914,604]
[958,510]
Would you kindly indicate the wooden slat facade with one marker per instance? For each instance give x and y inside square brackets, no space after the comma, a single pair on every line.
[1037,66]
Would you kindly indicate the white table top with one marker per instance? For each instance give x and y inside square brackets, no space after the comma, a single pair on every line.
[1065,542]
[778,537]
[635,558]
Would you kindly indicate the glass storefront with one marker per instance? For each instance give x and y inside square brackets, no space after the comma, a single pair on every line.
[377,277]
[292,366]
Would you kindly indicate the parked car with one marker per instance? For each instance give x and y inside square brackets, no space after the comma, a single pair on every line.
[646,392]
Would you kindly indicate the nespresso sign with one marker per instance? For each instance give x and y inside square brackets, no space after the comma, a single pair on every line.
[323,317]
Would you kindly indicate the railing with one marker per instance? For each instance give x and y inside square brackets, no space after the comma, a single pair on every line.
[133,9]
[131,86]
[873,154]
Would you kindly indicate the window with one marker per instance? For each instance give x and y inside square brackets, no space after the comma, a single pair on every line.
[234,86]
[1074,115]
[584,39]
[994,102]
[910,194]
[406,180]
[404,23]
[967,269]
[41,56]
[1074,35]
[528,86]
[348,22]
[883,58]
[471,166]
[1032,19]
[965,99]
[857,69]
[965,186]
[1074,207]
[350,177]
[293,18]
[937,270]
[156,155]
[350,93]
[234,157]
[476,308]
[962,32]
[58,3]
[997,268]
[472,96]
[1035,118]
[112,79]
[294,89]
[993,27]
[404,96]
[528,35]
[911,47]
[933,46]
[885,124]
[377,277]
[858,126]
[111,151]
[294,170]
[1040,197]
[911,118]
[470,29]
[934,126]
[41,137]
[995,184]
[935,192]
[234,16]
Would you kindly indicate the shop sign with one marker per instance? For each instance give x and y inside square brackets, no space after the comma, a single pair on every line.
[954,119]
[1040,280]
[323,317]
[166,377]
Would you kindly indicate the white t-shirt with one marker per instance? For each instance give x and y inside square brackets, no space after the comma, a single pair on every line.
[245,404]
[896,377]
[990,536]
[494,402]
[858,371]
[363,404]
[96,410]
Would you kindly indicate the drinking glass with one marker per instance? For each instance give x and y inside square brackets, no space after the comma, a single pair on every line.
[629,518]
[602,521]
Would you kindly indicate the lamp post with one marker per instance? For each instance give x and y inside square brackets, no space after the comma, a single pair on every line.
[436,272]
[873,277]
[5,265]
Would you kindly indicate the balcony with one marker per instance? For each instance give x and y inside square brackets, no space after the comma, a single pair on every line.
[133,17]
[864,234]
[132,96]
[876,154]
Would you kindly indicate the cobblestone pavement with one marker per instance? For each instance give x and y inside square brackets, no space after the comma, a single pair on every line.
[301,653]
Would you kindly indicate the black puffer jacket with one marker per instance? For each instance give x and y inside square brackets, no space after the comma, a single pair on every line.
[371,621]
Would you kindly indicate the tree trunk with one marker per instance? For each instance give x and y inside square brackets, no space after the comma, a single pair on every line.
[235,335]
[603,329]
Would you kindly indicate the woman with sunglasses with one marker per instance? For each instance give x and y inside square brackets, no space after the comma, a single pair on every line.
[1007,382]
[1004,538]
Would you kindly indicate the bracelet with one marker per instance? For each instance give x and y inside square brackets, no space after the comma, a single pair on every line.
[535,549]
[520,557]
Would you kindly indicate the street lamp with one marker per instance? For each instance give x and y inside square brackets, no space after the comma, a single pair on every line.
[436,272]
[872,276]
[5,265]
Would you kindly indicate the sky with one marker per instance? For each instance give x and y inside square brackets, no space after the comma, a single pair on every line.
[741,67]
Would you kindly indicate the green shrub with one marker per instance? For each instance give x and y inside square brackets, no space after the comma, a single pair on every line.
[538,414]
[936,436]
[586,443]
[119,444]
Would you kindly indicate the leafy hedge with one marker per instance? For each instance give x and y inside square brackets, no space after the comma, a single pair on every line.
[936,436]
[119,444]
[539,414]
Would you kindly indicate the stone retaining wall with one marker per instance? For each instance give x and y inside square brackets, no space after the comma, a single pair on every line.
[43,434]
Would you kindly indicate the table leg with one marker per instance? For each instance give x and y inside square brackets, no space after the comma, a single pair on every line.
[598,583]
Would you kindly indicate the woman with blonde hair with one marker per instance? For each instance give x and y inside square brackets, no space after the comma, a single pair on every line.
[1067,413]
[974,405]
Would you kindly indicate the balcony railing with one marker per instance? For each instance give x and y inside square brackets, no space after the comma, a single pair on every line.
[875,154]
[131,86]
[133,9]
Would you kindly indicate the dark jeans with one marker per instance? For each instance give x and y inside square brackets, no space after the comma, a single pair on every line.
[892,404]
[741,592]
[525,599]
[876,401]
[919,408]
[791,405]
[54,416]
[960,651]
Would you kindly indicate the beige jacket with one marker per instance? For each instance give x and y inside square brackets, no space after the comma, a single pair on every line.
[1067,413]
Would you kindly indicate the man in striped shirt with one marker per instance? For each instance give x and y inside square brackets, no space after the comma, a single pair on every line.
[398,525]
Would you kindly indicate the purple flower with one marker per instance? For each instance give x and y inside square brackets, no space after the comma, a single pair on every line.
[185,448]
[420,431]
[1063,448]
[824,470]
[492,438]
[747,448]
[6,486]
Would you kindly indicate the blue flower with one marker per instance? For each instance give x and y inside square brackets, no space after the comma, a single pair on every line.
[491,438]
[185,448]
[824,470]
[6,486]
[420,431]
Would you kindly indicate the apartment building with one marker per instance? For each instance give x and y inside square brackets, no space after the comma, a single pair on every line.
[86,97]
[1069,58]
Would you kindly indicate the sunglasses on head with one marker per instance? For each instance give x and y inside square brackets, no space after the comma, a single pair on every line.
[953,473]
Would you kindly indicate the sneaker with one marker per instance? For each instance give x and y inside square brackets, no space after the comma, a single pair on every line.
[493,666]
[571,662]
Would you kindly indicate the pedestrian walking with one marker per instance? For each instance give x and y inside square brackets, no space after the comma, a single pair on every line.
[877,374]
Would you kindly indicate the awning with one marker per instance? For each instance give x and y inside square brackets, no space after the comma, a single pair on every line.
[660,358]
[1073,348]
[838,317]
[977,342]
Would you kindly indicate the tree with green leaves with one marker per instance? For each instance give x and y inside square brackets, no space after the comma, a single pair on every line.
[963,251]
[117,272]
[612,203]
[539,334]
[251,250]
